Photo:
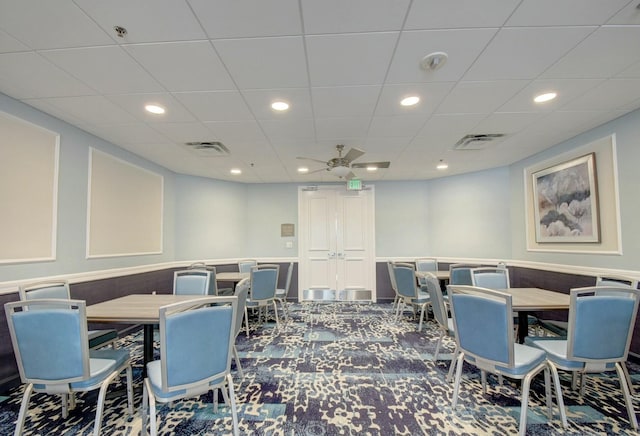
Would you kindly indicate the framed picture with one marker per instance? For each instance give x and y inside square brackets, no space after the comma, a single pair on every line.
[566,202]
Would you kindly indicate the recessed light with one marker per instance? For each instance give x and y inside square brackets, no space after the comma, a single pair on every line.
[410,101]
[547,96]
[279,105]
[372,168]
[154,109]
[236,171]
[442,165]
[303,170]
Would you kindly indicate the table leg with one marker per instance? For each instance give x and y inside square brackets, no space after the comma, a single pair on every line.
[147,353]
[523,326]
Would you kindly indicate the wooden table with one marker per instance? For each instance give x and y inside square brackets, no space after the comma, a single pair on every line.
[232,276]
[136,309]
[527,300]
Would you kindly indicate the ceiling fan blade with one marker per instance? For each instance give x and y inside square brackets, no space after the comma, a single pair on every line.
[353,154]
[316,171]
[350,176]
[312,159]
[371,164]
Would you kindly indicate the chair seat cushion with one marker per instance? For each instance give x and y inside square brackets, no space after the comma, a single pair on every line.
[556,350]
[154,374]
[525,359]
[121,356]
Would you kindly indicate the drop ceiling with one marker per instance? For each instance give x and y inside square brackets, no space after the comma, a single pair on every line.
[343,67]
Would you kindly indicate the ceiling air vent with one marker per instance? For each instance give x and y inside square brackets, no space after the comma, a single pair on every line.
[208,148]
[476,142]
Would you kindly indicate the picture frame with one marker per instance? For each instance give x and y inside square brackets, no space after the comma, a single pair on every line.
[565,202]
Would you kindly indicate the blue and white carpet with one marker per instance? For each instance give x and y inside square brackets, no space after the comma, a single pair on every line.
[342,369]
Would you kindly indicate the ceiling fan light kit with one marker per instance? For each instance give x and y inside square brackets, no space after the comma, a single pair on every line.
[341,166]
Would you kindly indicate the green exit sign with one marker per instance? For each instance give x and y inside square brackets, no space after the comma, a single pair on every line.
[354,185]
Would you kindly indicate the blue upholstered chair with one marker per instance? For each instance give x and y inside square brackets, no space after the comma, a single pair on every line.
[441,315]
[601,323]
[426,264]
[61,364]
[283,293]
[410,294]
[59,289]
[483,325]
[264,282]
[490,277]
[194,282]
[460,274]
[196,343]
[617,281]
[245,265]
[213,283]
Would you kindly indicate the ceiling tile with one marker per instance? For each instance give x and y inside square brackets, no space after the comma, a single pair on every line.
[609,95]
[185,132]
[431,94]
[395,126]
[564,13]
[28,75]
[130,133]
[567,90]
[605,53]
[347,101]
[479,97]
[108,70]
[237,130]
[441,14]
[627,15]
[350,59]
[248,18]
[183,66]
[292,129]
[265,62]
[462,46]
[215,106]
[338,16]
[9,44]
[94,109]
[524,53]
[44,25]
[135,105]
[341,129]
[145,20]
[259,101]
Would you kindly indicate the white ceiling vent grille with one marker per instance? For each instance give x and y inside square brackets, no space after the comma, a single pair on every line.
[477,142]
[208,148]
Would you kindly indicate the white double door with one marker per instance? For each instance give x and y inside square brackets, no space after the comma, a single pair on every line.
[337,243]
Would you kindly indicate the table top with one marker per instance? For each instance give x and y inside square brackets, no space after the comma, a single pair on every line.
[134,308]
[231,276]
[440,274]
[529,299]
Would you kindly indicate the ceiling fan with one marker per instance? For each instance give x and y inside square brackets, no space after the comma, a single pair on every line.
[341,166]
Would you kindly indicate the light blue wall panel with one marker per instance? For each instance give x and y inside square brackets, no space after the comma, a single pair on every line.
[469,215]
[211,218]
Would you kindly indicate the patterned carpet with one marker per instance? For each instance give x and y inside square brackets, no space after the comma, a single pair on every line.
[342,369]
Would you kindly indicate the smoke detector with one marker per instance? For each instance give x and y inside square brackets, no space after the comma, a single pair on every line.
[476,141]
[434,61]
[208,148]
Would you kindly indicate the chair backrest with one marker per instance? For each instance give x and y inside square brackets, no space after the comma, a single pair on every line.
[483,321]
[426,264]
[617,281]
[437,300]
[201,265]
[460,274]
[241,292]
[196,339]
[392,276]
[194,282]
[405,275]
[490,277]
[44,358]
[244,266]
[58,289]
[264,281]
[287,284]
[601,325]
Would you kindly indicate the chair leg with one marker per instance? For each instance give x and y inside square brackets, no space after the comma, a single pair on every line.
[144,408]
[556,382]
[435,355]
[100,406]
[232,401]
[421,316]
[275,311]
[24,406]
[149,399]
[547,391]
[524,402]
[237,359]
[130,389]
[456,386]
[627,396]
[628,378]
[453,365]
[246,320]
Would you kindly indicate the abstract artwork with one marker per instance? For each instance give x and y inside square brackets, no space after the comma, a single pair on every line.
[566,202]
